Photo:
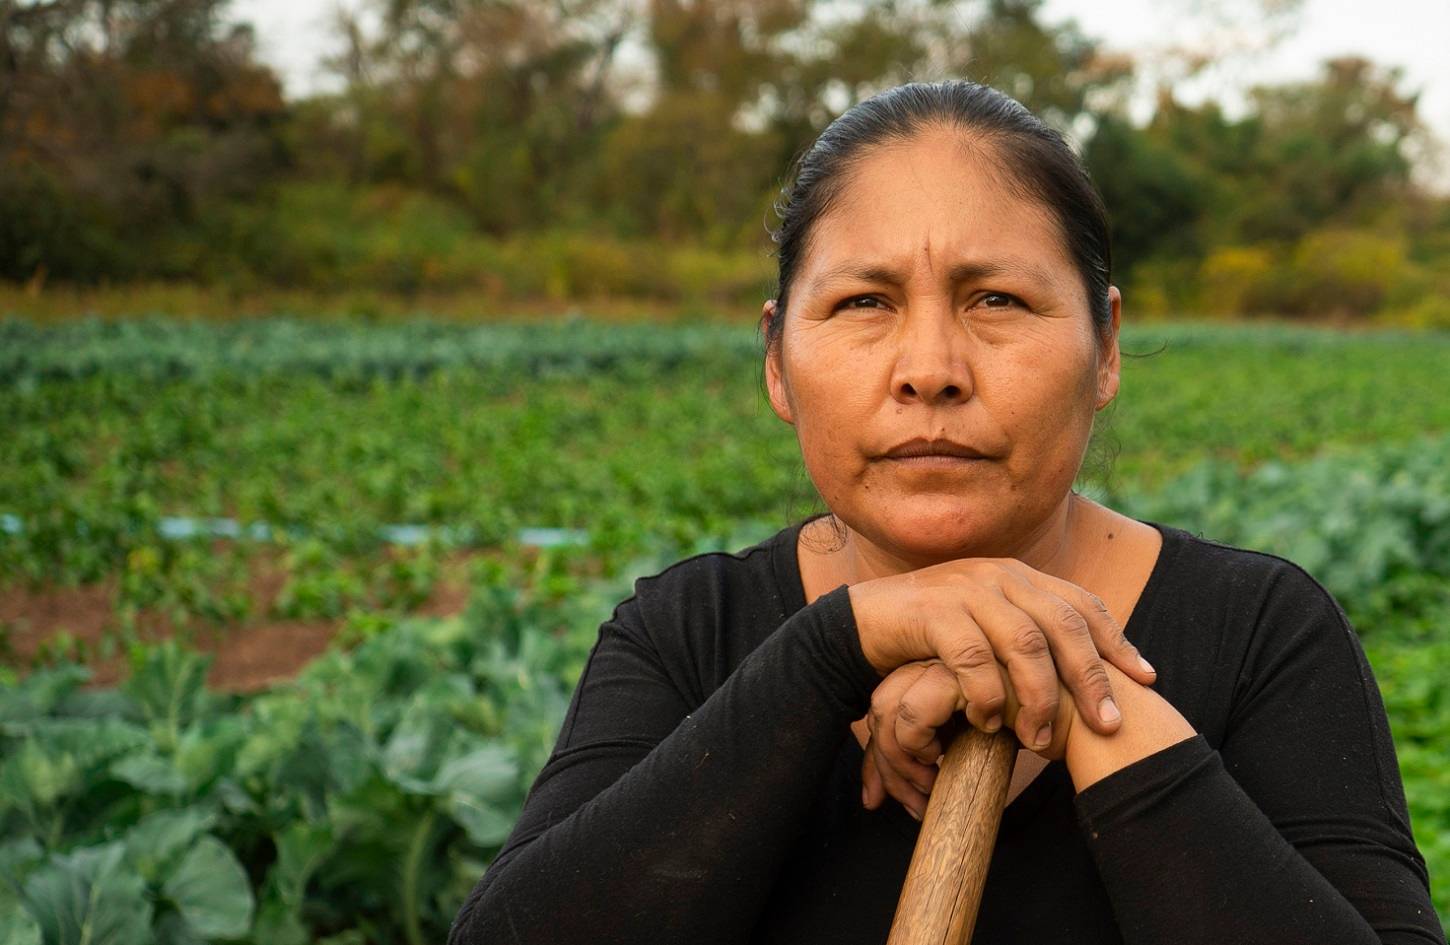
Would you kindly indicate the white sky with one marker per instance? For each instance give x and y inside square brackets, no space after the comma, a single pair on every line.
[292,35]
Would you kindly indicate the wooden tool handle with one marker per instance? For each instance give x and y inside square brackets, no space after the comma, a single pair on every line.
[938,904]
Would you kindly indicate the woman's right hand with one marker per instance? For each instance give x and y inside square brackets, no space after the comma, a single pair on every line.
[974,613]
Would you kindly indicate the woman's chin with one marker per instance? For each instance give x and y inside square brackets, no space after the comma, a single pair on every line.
[935,528]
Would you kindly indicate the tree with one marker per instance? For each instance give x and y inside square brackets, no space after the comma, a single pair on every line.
[1155,199]
[121,118]
[1330,150]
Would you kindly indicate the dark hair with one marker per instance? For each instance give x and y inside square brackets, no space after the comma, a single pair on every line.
[1030,157]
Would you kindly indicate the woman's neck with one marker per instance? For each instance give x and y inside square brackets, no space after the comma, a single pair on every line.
[1064,545]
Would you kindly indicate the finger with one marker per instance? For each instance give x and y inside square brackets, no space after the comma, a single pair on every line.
[875,791]
[1021,644]
[888,693]
[962,645]
[892,761]
[898,786]
[924,708]
[1074,654]
[1107,633]
[1056,749]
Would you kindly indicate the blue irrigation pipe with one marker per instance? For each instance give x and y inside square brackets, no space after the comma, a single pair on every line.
[182,527]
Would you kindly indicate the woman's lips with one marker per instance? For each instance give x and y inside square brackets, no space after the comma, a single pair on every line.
[935,461]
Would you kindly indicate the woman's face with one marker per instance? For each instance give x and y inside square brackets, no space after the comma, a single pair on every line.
[935,303]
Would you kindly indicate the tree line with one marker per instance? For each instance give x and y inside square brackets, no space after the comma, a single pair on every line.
[635,148]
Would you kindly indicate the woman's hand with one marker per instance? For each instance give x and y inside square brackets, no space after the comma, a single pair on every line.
[973,614]
[914,714]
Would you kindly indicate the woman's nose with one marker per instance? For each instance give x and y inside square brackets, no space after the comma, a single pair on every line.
[931,365]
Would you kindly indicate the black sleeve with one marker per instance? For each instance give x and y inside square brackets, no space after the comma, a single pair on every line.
[654,823]
[1295,830]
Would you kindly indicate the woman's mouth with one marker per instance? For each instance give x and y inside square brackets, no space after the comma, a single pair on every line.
[934,461]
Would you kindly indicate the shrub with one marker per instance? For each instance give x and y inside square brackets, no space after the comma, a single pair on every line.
[1239,280]
[1346,272]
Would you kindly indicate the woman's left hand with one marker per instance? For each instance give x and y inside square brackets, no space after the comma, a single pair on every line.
[914,712]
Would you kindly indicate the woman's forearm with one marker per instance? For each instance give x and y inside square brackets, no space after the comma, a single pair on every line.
[1150,724]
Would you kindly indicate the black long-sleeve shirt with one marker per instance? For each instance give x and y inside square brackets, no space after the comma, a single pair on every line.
[705,786]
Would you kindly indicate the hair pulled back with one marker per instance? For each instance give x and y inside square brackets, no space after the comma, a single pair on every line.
[1032,158]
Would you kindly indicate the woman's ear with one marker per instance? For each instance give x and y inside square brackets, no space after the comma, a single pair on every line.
[774,375]
[1110,365]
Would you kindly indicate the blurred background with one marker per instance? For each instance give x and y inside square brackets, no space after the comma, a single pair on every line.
[356,358]
[1259,156]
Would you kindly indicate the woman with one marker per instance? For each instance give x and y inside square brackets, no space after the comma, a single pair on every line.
[942,336]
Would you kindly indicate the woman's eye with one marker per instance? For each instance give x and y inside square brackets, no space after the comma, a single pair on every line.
[990,299]
[1000,300]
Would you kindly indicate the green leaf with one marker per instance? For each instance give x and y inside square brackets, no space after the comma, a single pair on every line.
[89,897]
[172,929]
[17,857]
[17,927]
[207,750]
[426,737]
[485,825]
[166,682]
[278,923]
[301,848]
[486,773]
[210,890]
[155,843]
[58,757]
[149,772]
[39,692]
[33,778]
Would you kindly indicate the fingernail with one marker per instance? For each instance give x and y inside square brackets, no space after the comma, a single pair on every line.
[1147,666]
[1108,710]
[865,798]
[1044,735]
[994,723]
[914,814]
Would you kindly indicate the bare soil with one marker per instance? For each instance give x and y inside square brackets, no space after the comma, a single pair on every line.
[245,657]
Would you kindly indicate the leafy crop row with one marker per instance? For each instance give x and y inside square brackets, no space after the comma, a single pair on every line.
[159,348]
[356,803]
[333,433]
[360,802]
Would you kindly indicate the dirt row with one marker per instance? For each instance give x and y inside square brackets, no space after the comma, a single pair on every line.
[246,656]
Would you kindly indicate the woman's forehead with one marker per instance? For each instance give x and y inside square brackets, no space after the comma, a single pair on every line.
[935,206]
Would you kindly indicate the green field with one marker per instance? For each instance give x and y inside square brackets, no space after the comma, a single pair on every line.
[359,802]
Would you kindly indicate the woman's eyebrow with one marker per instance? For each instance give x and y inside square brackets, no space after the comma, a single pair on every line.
[961,272]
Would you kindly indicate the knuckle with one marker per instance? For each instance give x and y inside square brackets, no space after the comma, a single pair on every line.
[1028,641]
[992,572]
[1093,678]
[940,675]
[979,565]
[990,704]
[908,713]
[1069,619]
[892,779]
[972,655]
[1048,705]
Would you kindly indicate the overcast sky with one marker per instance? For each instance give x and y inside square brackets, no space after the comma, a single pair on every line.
[1413,34]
